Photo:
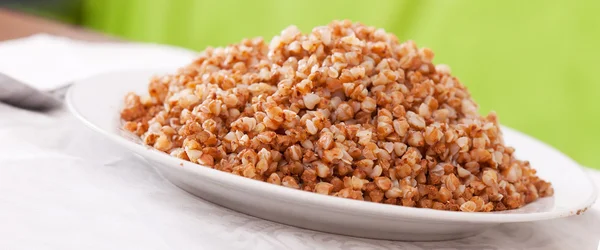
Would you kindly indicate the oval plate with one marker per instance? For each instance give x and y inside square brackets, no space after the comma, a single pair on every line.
[97,101]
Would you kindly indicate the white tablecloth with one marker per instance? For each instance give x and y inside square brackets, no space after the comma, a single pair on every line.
[63,187]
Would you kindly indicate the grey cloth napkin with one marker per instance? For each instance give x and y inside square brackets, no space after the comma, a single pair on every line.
[20,95]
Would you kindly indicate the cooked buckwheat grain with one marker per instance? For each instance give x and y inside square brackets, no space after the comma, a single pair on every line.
[346,110]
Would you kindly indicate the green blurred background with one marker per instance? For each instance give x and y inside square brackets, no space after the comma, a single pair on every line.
[534,62]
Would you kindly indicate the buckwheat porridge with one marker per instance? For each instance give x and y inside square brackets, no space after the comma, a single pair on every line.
[346,110]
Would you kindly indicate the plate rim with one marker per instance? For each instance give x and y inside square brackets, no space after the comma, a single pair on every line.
[366,208]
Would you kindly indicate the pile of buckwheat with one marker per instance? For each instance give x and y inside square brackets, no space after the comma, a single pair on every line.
[347,111]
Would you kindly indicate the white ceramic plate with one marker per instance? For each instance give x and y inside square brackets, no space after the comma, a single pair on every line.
[97,101]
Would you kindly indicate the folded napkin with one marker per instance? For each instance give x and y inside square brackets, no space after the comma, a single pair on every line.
[48,62]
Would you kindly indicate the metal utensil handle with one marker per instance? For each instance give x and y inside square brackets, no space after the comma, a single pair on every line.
[21,95]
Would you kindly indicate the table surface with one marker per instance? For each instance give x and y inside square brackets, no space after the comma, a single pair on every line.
[64,187]
[15,24]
